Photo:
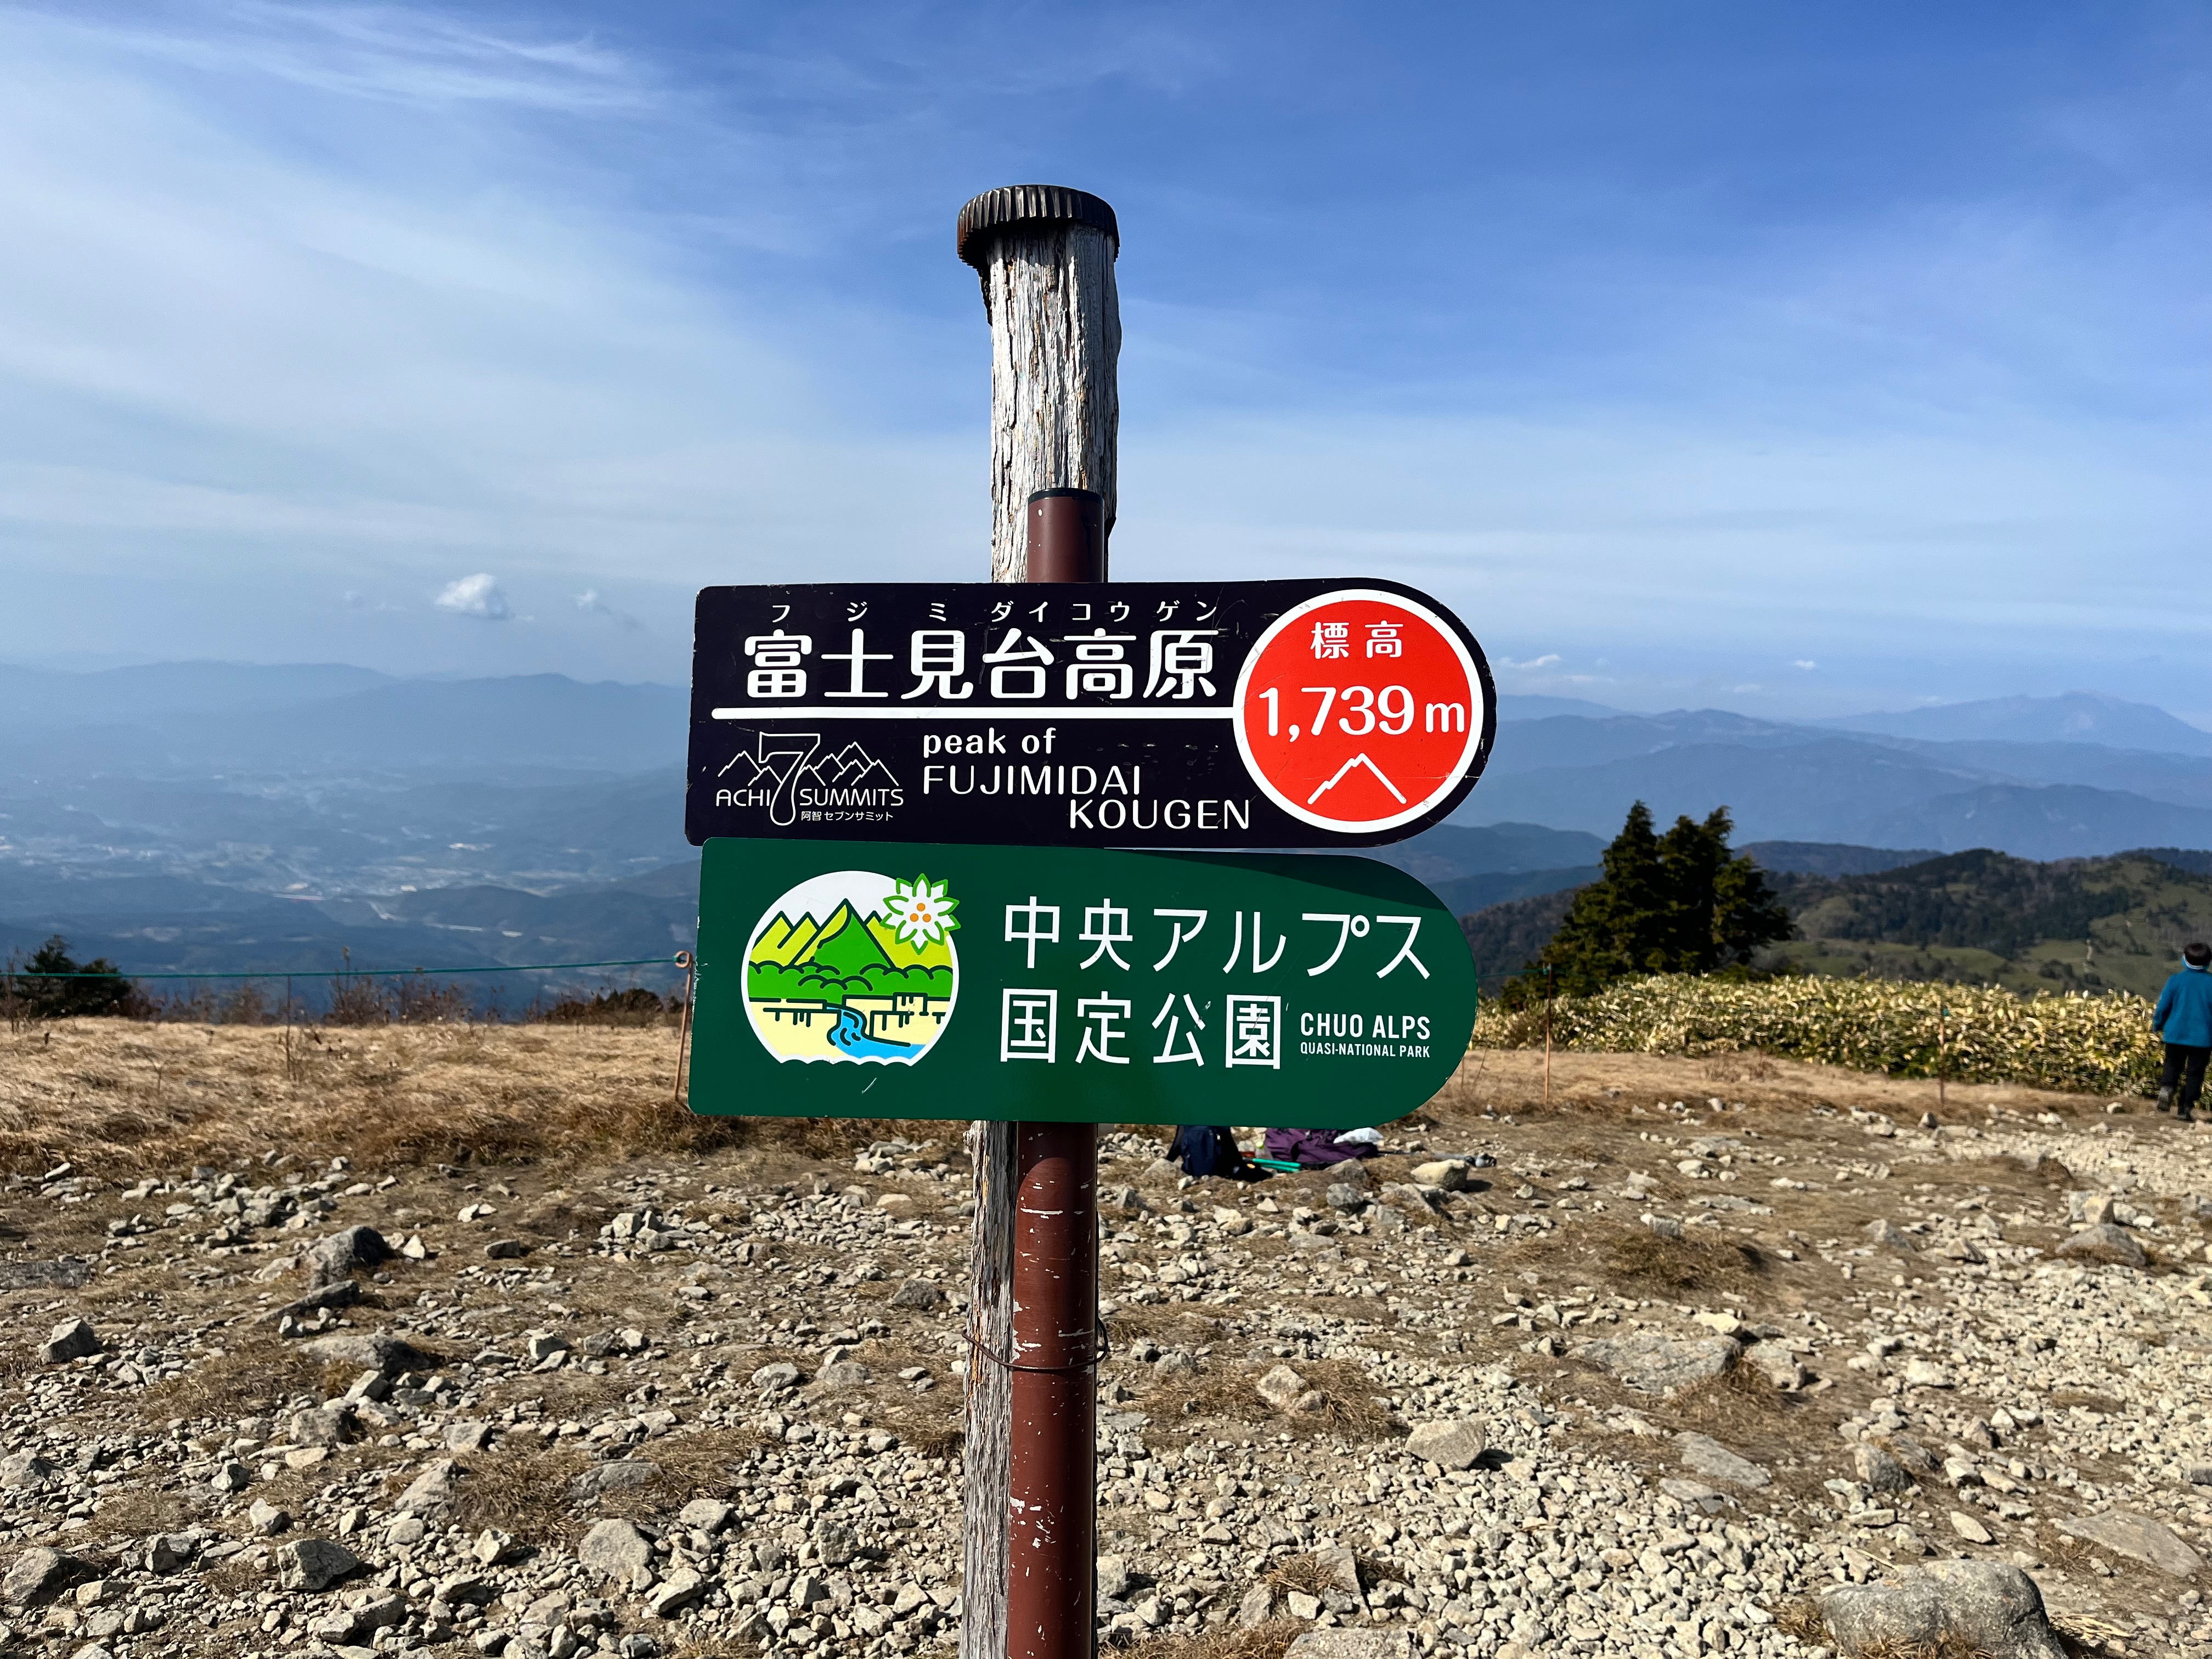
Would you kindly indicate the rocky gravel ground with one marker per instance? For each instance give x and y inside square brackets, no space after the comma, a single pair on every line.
[1701,1357]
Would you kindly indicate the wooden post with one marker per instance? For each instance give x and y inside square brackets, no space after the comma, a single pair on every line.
[1045,256]
[1943,1069]
[1548,1034]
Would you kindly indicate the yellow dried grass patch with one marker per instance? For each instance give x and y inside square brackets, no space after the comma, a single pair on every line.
[2099,1044]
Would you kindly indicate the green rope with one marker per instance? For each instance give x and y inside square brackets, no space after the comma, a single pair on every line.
[358,972]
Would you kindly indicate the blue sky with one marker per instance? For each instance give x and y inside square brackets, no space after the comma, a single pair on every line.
[1797,359]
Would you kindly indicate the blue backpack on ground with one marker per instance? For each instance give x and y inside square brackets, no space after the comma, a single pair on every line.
[1206,1149]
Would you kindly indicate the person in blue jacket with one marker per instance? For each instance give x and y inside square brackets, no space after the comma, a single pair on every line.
[2182,1020]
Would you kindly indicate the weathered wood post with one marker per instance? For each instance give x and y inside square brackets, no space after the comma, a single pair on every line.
[1045,257]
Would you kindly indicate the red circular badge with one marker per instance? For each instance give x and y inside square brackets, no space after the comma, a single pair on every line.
[1359,710]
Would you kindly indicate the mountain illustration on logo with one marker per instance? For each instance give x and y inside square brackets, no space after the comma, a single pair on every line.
[853,966]
[789,770]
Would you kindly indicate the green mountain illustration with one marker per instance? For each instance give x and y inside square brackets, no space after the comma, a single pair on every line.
[785,941]
[845,947]
[846,955]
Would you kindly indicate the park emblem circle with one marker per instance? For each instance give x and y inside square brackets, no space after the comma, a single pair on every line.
[1359,710]
[853,967]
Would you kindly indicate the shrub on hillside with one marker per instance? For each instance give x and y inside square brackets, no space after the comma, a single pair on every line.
[2099,1044]
[28,994]
[634,1006]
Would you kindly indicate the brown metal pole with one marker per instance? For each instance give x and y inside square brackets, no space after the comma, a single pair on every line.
[1053,1464]
[1052,1490]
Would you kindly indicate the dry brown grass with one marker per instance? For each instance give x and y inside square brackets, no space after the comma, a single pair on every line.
[1350,1411]
[260,1374]
[2103,1404]
[1302,1575]
[1801,1618]
[523,1491]
[138,1513]
[1269,1641]
[1636,1255]
[118,1098]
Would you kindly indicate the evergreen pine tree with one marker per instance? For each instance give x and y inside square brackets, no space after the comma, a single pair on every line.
[1677,904]
[58,999]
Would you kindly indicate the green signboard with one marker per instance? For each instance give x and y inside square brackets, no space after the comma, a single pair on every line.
[1070,985]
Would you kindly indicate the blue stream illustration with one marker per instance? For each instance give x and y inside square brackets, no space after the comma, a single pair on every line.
[851,1036]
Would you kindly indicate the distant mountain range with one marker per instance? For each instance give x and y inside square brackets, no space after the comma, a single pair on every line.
[2022,777]
[183,814]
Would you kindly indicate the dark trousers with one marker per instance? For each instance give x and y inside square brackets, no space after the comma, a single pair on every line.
[2185,1061]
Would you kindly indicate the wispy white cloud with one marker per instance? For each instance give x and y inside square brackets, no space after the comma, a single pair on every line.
[591,604]
[477,596]
[1548,659]
[1805,663]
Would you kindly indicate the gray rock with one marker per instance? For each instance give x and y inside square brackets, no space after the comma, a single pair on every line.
[1254,1610]
[1351,1644]
[1656,1364]
[467,1434]
[431,1490]
[1986,1607]
[1342,1568]
[24,1471]
[919,1295]
[266,1519]
[1702,1455]
[846,1374]
[470,1588]
[36,1576]
[325,1425]
[1877,1470]
[1113,1576]
[836,1543]
[1695,1493]
[676,1592]
[1888,1235]
[1911,1453]
[614,1549]
[1343,1195]
[2090,1209]
[373,1350]
[506,1250]
[342,1253]
[2138,1537]
[622,1474]
[783,1374]
[1281,1388]
[1448,1173]
[73,1338]
[313,1564]
[62,1275]
[706,1515]
[170,1551]
[335,1293]
[2106,1241]
[1778,1365]
[1452,1445]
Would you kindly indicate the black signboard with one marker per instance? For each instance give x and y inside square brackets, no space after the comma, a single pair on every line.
[1192,714]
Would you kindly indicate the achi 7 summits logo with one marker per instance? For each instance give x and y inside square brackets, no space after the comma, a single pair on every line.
[787,773]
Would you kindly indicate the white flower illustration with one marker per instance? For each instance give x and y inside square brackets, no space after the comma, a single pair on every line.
[923,913]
